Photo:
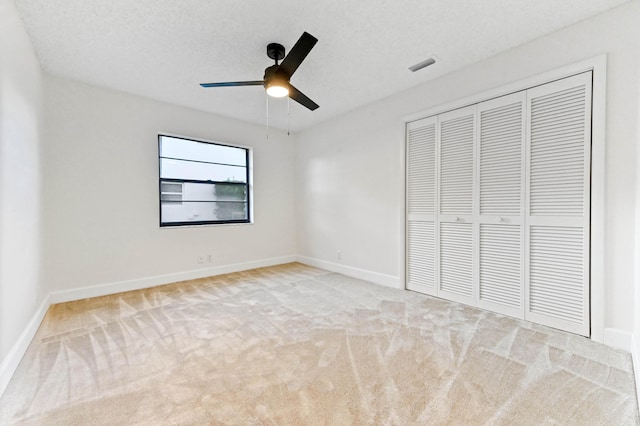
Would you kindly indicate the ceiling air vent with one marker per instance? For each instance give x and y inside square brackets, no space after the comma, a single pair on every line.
[422,64]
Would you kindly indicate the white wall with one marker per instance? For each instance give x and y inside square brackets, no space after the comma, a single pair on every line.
[101,190]
[20,195]
[635,350]
[350,170]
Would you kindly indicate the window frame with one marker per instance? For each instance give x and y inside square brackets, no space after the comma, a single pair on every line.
[248,185]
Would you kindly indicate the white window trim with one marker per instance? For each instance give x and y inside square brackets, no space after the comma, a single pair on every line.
[598,65]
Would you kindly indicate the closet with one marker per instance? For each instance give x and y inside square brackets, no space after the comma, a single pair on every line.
[498,204]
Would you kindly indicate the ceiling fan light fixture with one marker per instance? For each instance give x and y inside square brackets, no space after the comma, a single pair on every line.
[277,90]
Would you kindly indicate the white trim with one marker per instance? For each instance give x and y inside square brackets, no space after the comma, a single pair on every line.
[403,199]
[618,339]
[140,283]
[598,141]
[598,65]
[12,359]
[363,274]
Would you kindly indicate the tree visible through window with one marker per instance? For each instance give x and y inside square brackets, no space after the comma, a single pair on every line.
[202,182]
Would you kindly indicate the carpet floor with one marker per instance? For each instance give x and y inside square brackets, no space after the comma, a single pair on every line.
[293,344]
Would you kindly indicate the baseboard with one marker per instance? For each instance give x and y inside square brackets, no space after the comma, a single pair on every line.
[17,351]
[618,339]
[140,283]
[635,357]
[363,274]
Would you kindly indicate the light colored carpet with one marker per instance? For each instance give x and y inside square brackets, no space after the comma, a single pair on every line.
[297,345]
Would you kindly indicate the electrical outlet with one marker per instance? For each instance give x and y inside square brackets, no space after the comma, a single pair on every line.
[339,255]
[209,258]
[201,259]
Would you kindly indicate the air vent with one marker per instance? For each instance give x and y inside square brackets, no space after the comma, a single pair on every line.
[422,64]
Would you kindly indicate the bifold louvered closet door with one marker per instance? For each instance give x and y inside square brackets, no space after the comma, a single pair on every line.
[456,208]
[558,178]
[501,171]
[421,205]
[498,204]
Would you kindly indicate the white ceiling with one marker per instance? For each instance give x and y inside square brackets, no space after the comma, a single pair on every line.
[162,49]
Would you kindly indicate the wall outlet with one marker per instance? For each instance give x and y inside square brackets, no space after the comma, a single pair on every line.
[209,258]
[201,259]
[339,255]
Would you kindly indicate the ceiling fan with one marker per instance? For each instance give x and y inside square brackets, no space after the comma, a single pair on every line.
[276,77]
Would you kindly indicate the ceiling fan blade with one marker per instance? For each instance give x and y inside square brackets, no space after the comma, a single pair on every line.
[301,98]
[298,52]
[234,83]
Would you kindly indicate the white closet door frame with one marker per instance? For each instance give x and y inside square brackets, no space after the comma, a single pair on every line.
[576,226]
[505,296]
[457,225]
[416,262]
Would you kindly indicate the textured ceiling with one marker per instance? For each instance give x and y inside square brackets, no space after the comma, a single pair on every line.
[162,49]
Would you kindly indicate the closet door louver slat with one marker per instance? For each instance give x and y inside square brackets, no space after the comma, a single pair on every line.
[501,174]
[456,271]
[557,263]
[421,169]
[422,257]
[501,266]
[456,164]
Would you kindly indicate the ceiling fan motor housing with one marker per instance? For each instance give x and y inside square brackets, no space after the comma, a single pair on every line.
[273,74]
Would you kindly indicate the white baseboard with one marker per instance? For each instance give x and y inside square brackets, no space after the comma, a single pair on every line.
[140,283]
[618,339]
[363,274]
[635,357]
[10,362]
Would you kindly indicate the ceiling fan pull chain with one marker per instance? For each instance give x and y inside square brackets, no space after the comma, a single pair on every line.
[288,117]
[267,98]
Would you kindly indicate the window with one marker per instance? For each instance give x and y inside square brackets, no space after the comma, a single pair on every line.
[202,182]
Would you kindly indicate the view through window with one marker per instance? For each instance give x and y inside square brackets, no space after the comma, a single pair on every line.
[202,182]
